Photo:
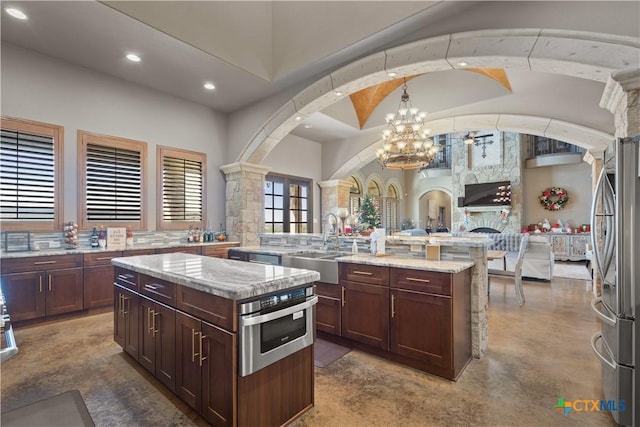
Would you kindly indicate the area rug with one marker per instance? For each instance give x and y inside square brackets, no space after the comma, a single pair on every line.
[325,352]
[65,410]
[571,270]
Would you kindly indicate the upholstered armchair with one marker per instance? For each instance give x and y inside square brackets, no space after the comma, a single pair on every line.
[538,259]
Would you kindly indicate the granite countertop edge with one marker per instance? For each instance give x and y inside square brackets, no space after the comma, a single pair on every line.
[81,251]
[411,263]
[220,276]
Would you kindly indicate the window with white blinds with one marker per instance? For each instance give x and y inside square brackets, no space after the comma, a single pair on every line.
[182,187]
[30,178]
[112,181]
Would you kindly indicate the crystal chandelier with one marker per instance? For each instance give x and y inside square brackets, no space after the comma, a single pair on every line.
[405,141]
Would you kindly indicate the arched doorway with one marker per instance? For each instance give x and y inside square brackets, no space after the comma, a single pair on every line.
[434,210]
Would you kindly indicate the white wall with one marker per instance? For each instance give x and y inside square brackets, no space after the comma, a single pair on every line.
[299,157]
[576,179]
[40,88]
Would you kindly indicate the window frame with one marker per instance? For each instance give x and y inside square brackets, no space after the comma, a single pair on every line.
[161,152]
[85,138]
[57,133]
[286,181]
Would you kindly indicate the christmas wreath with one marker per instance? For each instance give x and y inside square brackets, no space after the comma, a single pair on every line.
[554,198]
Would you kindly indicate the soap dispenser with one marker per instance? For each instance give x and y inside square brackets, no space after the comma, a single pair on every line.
[354,247]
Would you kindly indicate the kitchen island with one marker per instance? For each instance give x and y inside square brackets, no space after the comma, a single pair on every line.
[412,311]
[184,318]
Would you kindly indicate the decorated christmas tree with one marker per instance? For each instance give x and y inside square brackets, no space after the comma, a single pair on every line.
[368,216]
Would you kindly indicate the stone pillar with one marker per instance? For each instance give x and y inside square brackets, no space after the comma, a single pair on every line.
[479,302]
[335,195]
[244,203]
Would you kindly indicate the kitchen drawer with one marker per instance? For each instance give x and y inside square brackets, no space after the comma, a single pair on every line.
[212,308]
[100,258]
[328,290]
[136,252]
[40,263]
[195,250]
[431,282]
[158,290]
[126,278]
[362,273]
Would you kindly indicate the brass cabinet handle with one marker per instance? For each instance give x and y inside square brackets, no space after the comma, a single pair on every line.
[49,283]
[124,299]
[40,283]
[193,345]
[104,258]
[415,279]
[123,277]
[343,296]
[202,337]
[121,304]
[44,262]
[362,273]
[155,331]
[393,306]
[151,287]
[149,321]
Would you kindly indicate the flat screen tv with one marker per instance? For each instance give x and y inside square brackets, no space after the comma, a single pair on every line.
[488,194]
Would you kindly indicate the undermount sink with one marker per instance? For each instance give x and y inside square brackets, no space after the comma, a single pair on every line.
[322,262]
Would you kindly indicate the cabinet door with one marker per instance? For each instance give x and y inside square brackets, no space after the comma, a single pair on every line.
[118,316]
[164,325]
[25,295]
[188,370]
[98,286]
[64,291]
[421,327]
[131,306]
[147,340]
[365,314]
[328,315]
[219,373]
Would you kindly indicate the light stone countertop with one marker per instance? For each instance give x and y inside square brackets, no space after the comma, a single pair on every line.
[413,263]
[226,278]
[86,250]
[442,240]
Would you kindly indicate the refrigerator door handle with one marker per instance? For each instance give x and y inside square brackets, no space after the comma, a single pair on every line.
[594,224]
[610,320]
[594,339]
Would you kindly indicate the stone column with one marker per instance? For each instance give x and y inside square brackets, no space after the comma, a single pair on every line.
[335,195]
[244,203]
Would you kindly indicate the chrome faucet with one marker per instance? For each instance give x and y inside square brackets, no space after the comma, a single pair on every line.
[336,245]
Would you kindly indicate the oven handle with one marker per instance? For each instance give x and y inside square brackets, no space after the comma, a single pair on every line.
[249,321]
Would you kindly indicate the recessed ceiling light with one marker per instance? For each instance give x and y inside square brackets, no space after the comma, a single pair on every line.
[298,118]
[16,13]
[308,126]
[338,93]
[209,86]
[392,74]
[462,64]
[133,57]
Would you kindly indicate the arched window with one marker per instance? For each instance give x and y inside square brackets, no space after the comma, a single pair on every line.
[391,209]
[355,192]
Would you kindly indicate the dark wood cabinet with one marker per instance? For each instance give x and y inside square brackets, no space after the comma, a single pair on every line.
[329,308]
[219,250]
[365,304]
[127,320]
[206,368]
[194,250]
[24,294]
[98,279]
[36,287]
[157,341]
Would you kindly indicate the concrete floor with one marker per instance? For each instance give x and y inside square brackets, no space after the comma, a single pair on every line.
[537,354]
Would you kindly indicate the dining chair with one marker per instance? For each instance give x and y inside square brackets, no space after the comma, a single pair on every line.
[516,274]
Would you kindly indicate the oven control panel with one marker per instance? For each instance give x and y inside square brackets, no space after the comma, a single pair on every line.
[282,299]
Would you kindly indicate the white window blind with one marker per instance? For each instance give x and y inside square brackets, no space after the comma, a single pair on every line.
[113,184]
[182,189]
[27,177]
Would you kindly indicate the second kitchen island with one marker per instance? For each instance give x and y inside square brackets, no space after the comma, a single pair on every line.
[231,339]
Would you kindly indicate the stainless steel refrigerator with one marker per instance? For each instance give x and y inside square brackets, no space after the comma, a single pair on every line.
[615,234]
